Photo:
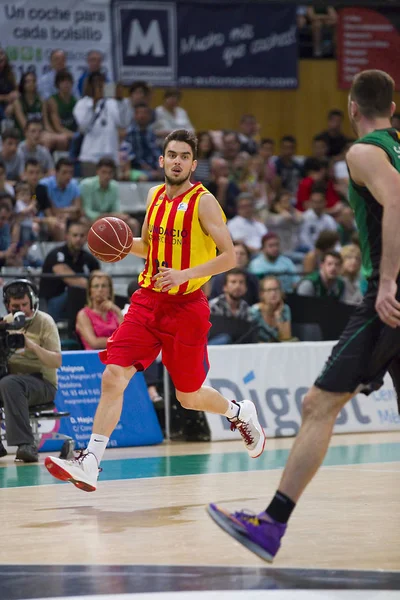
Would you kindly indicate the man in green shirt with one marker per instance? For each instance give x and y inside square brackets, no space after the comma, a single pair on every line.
[100,195]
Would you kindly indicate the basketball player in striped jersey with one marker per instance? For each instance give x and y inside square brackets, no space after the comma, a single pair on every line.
[183,228]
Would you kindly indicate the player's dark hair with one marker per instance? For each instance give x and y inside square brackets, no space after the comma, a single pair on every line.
[373,93]
[106,162]
[234,271]
[64,162]
[182,135]
[332,253]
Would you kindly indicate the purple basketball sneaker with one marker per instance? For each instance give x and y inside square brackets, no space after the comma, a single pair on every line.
[259,533]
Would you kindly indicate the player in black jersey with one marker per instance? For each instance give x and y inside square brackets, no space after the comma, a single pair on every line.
[370,343]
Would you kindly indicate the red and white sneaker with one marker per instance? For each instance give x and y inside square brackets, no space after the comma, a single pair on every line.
[82,470]
[248,425]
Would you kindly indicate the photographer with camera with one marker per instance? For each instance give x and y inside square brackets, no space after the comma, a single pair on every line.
[30,353]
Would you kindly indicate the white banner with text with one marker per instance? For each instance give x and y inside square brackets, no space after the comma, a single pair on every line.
[277,376]
[31,29]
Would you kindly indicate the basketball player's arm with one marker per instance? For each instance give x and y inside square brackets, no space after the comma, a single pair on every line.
[140,245]
[211,220]
[370,167]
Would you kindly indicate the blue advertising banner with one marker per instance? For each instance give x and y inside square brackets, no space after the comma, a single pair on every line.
[79,380]
[215,45]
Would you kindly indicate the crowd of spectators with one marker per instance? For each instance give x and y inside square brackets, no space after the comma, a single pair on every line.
[66,145]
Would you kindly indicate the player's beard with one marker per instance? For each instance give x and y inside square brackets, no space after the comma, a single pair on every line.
[177,182]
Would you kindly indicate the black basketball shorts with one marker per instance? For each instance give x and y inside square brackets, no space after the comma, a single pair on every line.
[366,350]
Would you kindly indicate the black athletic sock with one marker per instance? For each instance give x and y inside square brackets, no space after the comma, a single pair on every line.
[280,508]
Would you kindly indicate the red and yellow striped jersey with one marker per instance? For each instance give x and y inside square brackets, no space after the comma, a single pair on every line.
[176,238]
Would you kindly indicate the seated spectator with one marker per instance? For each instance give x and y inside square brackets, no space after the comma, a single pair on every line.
[144,152]
[326,281]
[230,148]
[205,152]
[326,241]
[351,266]
[242,262]
[271,262]
[285,220]
[9,234]
[12,160]
[314,173]
[320,147]
[171,116]
[346,225]
[60,108]
[266,151]
[248,131]
[245,227]
[223,188]
[288,169]
[68,259]
[101,316]
[25,210]
[333,135]
[254,182]
[316,219]
[100,195]
[29,106]
[341,173]
[8,85]
[231,303]
[271,314]
[99,121]
[320,18]
[5,188]
[318,174]
[94,60]
[58,62]
[31,147]
[45,217]
[139,93]
[63,192]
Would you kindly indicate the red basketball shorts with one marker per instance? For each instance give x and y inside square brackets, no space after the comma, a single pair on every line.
[177,325]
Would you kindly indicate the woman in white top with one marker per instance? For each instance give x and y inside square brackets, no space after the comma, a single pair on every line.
[99,121]
[170,115]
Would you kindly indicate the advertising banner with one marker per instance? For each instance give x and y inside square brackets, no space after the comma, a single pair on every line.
[31,29]
[79,380]
[205,45]
[368,39]
[277,376]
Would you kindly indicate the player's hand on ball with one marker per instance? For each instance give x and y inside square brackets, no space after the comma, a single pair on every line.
[166,279]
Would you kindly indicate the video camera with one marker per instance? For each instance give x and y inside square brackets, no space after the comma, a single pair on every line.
[10,342]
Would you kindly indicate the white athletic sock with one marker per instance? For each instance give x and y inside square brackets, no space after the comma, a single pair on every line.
[233,410]
[97,445]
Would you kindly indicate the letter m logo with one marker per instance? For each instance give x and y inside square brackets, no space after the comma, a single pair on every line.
[145,35]
[145,42]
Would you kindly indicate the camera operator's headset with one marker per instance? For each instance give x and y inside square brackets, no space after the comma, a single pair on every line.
[20,287]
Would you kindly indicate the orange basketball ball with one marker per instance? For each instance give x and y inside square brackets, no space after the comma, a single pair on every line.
[110,239]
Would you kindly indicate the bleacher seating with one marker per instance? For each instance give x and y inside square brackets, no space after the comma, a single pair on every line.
[133,196]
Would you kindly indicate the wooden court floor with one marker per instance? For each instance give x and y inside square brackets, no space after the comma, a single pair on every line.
[147,523]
